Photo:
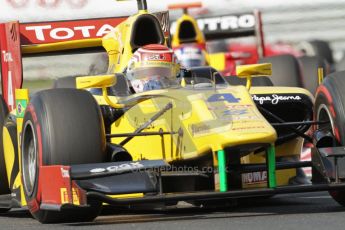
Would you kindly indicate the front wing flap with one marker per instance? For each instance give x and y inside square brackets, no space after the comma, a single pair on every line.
[87,171]
[70,184]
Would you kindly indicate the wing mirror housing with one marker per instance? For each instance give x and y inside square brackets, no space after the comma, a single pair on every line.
[254,70]
[99,81]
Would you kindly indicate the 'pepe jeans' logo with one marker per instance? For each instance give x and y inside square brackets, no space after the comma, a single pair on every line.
[275,99]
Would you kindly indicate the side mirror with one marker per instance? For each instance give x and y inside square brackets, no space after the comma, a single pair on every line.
[255,70]
[264,69]
[98,81]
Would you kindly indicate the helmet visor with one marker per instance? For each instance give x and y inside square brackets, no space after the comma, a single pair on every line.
[150,78]
[146,73]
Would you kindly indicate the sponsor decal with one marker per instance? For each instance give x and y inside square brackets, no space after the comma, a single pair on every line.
[275,98]
[245,119]
[64,195]
[231,22]
[248,127]
[188,52]
[118,168]
[235,112]
[239,106]
[209,127]
[46,32]
[65,198]
[75,196]
[64,173]
[230,107]
[7,56]
[155,57]
[21,105]
[223,97]
[254,177]
[200,128]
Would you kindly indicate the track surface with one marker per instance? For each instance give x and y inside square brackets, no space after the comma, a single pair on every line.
[294,211]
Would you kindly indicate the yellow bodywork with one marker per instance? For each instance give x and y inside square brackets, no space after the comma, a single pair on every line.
[22,98]
[199,37]
[216,60]
[118,46]
[244,71]
[95,81]
[254,70]
[60,46]
[202,121]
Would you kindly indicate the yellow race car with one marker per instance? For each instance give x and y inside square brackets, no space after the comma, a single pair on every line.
[105,140]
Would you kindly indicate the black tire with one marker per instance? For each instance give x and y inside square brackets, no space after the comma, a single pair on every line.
[65,82]
[66,124]
[317,48]
[285,70]
[330,106]
[309,67]
[4,186]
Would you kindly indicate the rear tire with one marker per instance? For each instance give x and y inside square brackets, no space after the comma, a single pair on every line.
[285,70]
[317,48]
[309,67]
[330,106]
[60,127]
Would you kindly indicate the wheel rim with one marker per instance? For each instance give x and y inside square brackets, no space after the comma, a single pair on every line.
[323,114]
[29,158]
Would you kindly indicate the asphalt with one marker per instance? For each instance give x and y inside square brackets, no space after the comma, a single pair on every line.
[291,212]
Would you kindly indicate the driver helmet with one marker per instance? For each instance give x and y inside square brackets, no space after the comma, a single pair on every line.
[152,67]
[191,55]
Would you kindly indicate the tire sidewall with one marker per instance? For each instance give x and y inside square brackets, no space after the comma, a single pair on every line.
[34,199]
[326,97]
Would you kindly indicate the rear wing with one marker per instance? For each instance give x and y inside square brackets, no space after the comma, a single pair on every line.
[20,39]
[232,26]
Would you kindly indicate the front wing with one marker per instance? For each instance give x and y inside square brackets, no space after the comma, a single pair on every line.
[129,183]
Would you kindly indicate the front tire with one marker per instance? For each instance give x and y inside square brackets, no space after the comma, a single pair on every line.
[330,106]
[60,127]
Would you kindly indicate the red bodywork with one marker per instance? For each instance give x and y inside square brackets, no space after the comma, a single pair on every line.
[11,61]
[248,54]
[61,190]
[13,35]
